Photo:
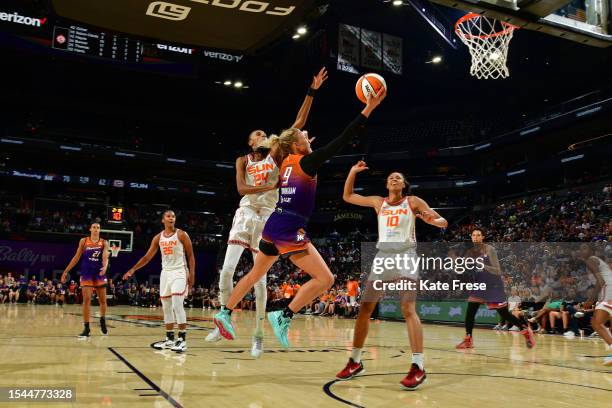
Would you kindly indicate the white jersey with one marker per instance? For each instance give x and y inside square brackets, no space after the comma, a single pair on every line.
[261,173]
[606,274]
[396,222]
[172,252]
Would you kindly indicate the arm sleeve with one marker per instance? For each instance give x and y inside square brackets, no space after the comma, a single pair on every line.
[311,163]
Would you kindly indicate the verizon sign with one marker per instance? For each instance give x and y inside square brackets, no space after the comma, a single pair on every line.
[17,18]
[233,25]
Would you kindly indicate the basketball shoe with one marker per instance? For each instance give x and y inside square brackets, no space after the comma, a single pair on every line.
[280,325]
[351,370]
[529,337]
[257,347]
[466,343]
[214,335]
[103,325]
[179,346]
[223,321]
[164,344]
[414,379]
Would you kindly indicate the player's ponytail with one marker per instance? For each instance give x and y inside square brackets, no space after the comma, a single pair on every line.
[283,142]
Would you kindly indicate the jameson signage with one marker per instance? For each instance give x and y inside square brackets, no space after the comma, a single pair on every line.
[223,24]
[436,311]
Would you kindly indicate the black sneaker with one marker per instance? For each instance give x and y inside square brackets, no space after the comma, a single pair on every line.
[85,333]
[103,326]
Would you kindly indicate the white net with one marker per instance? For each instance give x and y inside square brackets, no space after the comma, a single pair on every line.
[488,40]
[115,251]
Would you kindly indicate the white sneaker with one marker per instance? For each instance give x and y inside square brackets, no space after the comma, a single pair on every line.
[514,328]
[504,327]
[593,335]
[179,346]
[164,344]
[607,361]
[497,327]
[569,334]
[214,335]
[257,348]
[578,315]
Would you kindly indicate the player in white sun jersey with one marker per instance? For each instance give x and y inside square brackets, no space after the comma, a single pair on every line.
[175,279]
[256,181]
[603,311]
[397,216]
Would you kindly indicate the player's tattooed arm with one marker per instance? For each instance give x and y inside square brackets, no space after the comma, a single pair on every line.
[241,185]
[75,259]
[146,258]
[186,241]
[424,212]
[349,189]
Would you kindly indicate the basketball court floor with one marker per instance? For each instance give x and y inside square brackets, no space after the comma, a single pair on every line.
[39,348]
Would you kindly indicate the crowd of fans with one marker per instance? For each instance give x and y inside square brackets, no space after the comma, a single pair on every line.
[546,282]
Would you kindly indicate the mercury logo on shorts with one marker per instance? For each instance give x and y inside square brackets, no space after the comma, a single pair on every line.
[175,12]
[23,20]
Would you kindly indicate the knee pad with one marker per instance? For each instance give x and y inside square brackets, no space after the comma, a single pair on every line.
[268,248]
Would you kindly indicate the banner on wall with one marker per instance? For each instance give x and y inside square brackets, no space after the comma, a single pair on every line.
[436,311]
[40,259]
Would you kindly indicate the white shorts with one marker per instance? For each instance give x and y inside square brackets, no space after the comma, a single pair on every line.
[386,269]
[173,283]
[247,227]
[606,306]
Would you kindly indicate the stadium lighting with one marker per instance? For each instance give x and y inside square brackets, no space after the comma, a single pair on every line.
[302,30]
[296,36]
[238,84]
[397,2]
[227,83]
[437,59]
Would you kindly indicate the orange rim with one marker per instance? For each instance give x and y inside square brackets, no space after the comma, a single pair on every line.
[471,16]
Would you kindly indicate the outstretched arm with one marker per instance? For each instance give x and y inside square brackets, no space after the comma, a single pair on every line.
[312,162]
[145,259]
[349,194]
[304,111]
[424,212]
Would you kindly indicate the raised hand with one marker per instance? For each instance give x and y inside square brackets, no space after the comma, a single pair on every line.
[318,80]
[359,167]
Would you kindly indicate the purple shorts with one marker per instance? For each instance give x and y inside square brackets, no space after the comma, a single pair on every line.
[286,232]
[92,279]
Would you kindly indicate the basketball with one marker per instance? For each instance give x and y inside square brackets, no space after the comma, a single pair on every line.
[367,84]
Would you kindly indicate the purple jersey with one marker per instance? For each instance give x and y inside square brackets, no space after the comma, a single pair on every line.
[297,189]
[91,259]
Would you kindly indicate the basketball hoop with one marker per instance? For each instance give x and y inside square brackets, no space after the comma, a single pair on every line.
[488,40]
[115,251]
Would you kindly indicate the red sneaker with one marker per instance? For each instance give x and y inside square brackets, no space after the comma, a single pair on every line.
[466,343]
[351,370]
[415,377]
[529,337]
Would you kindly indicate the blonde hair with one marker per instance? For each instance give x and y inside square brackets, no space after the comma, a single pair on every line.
[283,142]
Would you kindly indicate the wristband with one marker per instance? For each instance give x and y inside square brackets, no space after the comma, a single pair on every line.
[311,92]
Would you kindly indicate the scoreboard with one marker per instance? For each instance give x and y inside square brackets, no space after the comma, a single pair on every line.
[85,41]
[116,215]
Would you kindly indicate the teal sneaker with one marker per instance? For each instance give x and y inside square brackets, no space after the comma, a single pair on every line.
[280,325]
[223,321]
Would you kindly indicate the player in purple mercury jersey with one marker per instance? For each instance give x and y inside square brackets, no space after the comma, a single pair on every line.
[93,274]
[285,231]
